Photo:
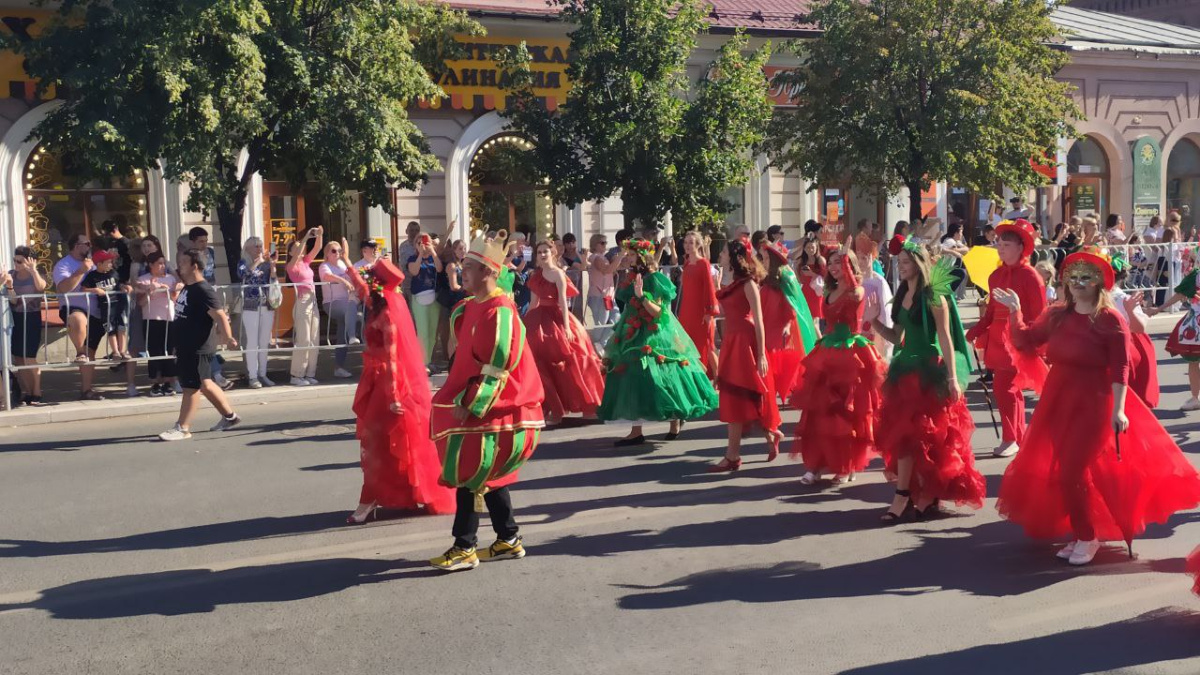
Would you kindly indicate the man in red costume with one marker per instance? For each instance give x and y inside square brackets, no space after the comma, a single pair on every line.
[487,417]
[1014,370]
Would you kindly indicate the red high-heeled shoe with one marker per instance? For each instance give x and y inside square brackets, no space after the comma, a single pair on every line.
[725,464]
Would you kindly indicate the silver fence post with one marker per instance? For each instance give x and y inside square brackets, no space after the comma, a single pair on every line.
[6,326]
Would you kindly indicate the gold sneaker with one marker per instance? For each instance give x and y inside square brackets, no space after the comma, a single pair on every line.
[502,549]
[456,559]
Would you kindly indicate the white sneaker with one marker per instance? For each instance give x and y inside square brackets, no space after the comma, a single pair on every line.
[227,423]
[178,433]
[131,391]
[255,384]
[312,380]
[342,372]
[1191,404]
[1066,551]
[1084,552]
[355,341]
[266,381]
[1006,450]
[300,382]
[810,478]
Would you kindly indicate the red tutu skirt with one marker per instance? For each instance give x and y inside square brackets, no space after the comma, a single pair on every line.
[786,368]
[744,395]
[839,401]
[1193,568]
[1143,369]
[570,369]
[917,422]
[1067,474]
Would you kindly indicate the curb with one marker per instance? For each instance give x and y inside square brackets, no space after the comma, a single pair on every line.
[83,411]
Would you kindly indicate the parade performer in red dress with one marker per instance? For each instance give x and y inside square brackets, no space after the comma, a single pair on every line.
[810,269]
[839,392]
[572,375]
[488,414]
[925,428]
[1143,362]
[698,301]
[1184,340]
[1014,370]
[1075,475]
[745,386]
[791,331]
[392,403]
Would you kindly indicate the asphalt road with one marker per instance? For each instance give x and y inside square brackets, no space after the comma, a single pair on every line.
[226,554]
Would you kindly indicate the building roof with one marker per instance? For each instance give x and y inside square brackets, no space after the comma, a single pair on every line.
[1091,30]
[771,16]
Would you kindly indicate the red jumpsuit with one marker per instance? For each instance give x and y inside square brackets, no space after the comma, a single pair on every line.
[1013,370]
[697,309]
[1068,479]
[745,396]
[495,378]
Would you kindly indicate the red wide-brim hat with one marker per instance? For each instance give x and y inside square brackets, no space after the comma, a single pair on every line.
[1023,229]
[1095,259]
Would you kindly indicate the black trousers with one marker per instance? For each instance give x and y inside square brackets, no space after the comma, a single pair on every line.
[160,342]
[466,520]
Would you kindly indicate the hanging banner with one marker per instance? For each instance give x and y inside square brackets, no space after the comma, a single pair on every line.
[1147,182]
[476,82]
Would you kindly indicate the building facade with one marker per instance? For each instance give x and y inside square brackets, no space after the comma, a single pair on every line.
[1138,84]
[1180,12]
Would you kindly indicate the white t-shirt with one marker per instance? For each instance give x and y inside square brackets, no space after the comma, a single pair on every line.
[334,291]
[1018,213]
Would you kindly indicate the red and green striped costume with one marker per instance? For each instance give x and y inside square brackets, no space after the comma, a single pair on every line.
[494,377]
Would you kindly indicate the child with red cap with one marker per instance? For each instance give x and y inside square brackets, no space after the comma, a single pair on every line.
[1015,370]
[110,304]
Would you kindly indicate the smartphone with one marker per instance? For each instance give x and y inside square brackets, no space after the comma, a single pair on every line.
[272,249]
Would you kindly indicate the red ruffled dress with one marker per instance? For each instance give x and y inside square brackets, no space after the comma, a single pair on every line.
[1067,479]
[839,394]
[744,395]
[785,348]
[816,301]
[571,371]
[697,302]
[919,420]
[400,464]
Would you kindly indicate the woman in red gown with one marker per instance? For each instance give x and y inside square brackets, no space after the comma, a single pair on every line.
[746,388]
[571,372]
[698,301]
[400,464]
[839,394]
[1073,476]
[789,335]
[811,270]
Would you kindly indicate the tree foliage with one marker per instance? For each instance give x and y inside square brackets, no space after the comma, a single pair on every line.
[906,92]
[629,128]
[315,90]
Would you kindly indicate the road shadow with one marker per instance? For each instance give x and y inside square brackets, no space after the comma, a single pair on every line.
[1166,634]
[185,537]
[69,446]
[991,560]
[195,591]
[331,467]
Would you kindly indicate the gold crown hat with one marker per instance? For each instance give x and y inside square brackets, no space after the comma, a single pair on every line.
[490,249]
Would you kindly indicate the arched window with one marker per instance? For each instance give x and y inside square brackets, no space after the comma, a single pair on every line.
[1183,183]
[1087,179]
[60,204]
[504,194]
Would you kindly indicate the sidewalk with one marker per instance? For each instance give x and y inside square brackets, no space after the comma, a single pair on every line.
[61,389]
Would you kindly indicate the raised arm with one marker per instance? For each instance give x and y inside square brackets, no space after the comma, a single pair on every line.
[320,242]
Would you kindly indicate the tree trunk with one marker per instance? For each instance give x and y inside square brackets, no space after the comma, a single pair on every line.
[229,221]
[914,203]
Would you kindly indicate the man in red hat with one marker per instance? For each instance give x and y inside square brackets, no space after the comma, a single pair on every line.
[1014,371]
[487,416]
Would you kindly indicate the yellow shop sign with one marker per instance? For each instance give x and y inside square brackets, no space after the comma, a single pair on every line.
[475,82]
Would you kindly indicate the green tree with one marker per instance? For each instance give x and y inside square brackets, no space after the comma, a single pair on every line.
[628,127]
[215,91]
[905,92]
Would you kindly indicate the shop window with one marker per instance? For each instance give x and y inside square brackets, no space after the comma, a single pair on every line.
[60,204]
[1087,179]
[1183,183]
[504,193]
[736,195]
